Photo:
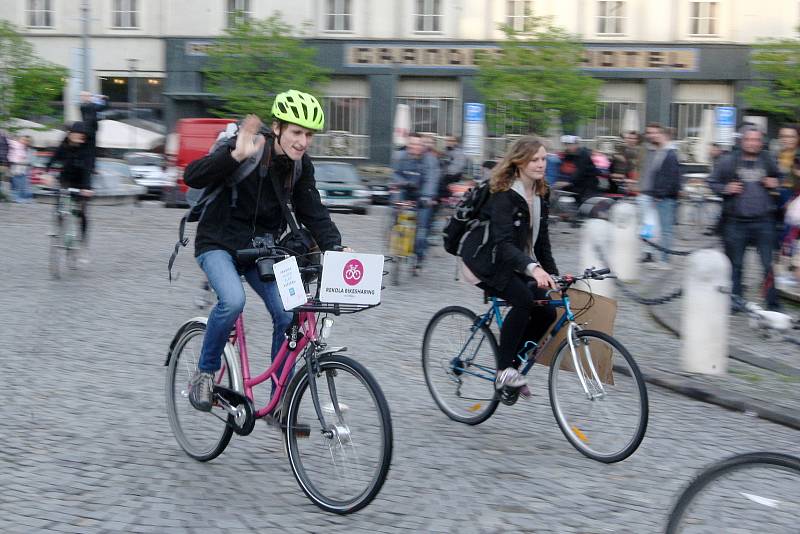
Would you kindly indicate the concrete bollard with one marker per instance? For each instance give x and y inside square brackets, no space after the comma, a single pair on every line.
[597,234]
[626,246]
[705,313]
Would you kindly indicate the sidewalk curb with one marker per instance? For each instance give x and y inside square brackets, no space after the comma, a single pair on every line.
[736,353]
[714,395]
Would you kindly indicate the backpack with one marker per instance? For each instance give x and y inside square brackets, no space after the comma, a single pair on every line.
[200,199]
[466,217]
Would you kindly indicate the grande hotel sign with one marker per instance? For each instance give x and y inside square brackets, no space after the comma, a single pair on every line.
[595,58]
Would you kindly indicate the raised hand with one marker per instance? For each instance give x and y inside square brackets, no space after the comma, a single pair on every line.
[248,141]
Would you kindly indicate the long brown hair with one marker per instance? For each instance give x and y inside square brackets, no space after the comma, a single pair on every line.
[520,153]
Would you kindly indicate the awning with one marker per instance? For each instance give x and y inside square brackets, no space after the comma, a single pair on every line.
[115,134]
[41,135]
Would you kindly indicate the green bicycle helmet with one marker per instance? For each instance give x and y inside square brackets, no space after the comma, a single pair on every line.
[299,108]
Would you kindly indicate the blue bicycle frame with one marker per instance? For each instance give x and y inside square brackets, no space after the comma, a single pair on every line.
[494,312]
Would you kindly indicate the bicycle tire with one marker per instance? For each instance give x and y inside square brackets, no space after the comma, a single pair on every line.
[57,258]
[176,385]
[340,443]
[481,412]
[720,469]
[580,434]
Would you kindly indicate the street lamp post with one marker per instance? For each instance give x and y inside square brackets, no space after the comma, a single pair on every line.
[132,96]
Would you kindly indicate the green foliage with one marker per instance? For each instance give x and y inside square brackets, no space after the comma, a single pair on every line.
[28,84]
[535,77]
[255,60]
[777,61]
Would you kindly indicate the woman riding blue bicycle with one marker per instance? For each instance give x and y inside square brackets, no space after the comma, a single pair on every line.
[509,253]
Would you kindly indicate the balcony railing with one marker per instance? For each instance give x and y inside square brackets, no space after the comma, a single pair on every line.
[337,144]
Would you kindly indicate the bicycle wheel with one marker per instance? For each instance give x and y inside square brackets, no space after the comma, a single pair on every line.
[607,419]
[202,435]
[58,258]
[756,492]
[459,362]
[343,469]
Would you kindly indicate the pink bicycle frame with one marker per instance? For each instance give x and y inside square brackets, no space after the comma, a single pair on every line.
[308,328]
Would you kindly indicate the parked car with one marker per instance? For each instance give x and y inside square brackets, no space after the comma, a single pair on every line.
[39,167]
[341,187]
[192,139]
[149,170]
[112,184]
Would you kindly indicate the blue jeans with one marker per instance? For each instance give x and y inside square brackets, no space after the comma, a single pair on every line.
[666,220]
[423,228]
[223,276]
[738,235]
[20,187]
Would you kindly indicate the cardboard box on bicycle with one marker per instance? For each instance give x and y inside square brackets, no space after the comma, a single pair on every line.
[598,315]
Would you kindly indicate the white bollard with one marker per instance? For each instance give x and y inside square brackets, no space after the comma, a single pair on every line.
[626,246]
[596,234]
[705,313]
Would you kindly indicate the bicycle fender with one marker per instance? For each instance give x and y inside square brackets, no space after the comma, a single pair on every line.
[180,332]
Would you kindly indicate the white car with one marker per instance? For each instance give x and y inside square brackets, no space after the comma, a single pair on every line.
[149,170]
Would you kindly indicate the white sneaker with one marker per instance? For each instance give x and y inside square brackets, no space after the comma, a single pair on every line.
[510,377]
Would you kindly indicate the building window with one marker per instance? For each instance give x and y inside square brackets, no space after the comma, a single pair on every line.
[346,124]
[610,18]
[703,19]
[124,15]
[339,17]
[238,12]
[687,117]
[428,16]
[610,119]
[40,13]
[431,114]
[519,15]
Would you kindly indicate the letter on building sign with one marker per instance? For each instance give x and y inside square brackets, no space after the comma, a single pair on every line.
[409,55]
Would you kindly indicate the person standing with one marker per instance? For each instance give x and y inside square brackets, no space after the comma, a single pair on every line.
[91,105]
[748,182]
[3,165]
[578,168]
[20,155]
[659,186]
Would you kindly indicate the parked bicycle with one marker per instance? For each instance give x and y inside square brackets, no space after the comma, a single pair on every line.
[755,492]
[336,423]
[597,393]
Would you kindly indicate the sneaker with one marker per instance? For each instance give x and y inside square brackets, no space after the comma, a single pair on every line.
[509,377]
[201,390]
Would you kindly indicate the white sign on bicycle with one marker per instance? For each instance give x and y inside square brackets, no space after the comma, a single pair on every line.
[290,283]
[349,278]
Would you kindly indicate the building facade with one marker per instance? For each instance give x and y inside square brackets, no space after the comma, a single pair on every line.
[664,61]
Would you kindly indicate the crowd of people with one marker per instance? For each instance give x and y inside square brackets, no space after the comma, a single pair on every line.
[759,191]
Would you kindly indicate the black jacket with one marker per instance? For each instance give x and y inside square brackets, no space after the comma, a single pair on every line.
[257,211]
[89,112]
[76,161]
[509,227]
[584,173]
[667,179]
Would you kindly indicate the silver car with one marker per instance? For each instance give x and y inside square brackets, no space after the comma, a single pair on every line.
[149,170]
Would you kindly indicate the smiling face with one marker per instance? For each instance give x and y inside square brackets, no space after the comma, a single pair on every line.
[534,169]
[293,141]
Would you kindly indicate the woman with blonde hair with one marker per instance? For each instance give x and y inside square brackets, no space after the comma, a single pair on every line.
[510,253]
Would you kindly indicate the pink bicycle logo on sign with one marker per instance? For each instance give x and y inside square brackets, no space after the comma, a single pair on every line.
[353,272]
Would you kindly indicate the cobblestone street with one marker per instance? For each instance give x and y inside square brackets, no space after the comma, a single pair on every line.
[87,446]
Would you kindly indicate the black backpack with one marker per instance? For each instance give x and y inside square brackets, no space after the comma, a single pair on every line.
[466,217]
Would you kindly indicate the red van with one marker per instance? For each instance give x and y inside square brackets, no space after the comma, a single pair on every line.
[191,140]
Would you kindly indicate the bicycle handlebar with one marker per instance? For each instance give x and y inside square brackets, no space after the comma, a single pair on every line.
[566,281]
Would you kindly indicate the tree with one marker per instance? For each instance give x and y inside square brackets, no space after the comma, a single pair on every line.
[255,60]
[777,61]
[29,85]
[534,78]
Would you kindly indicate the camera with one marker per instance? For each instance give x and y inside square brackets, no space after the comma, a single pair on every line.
[265,265]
